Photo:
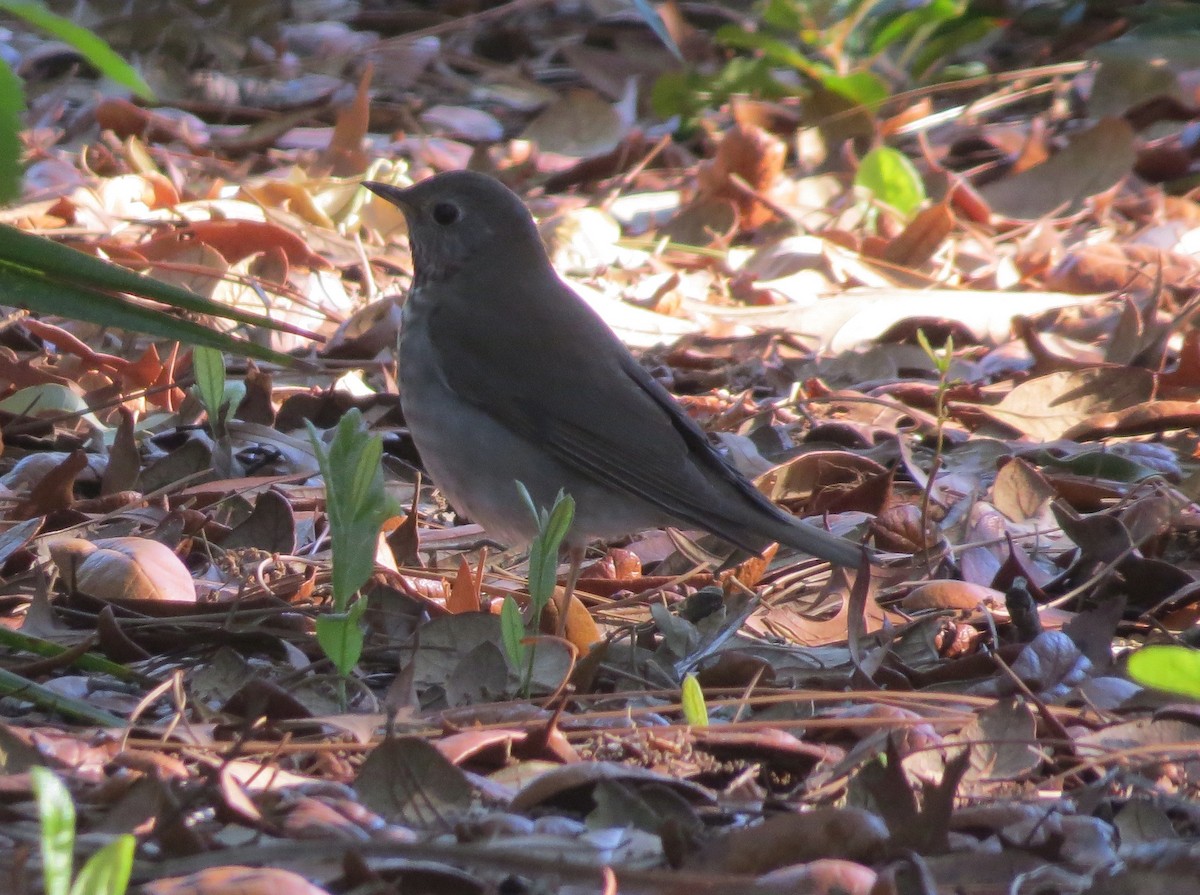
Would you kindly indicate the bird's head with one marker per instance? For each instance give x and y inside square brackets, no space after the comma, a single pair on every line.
[460,218]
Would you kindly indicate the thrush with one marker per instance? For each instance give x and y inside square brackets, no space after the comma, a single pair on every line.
[507,376]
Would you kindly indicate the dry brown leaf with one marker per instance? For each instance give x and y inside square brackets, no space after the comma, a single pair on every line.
[464,591]
[55,490]
[755,157]
[581,124]
[786,839]
[924,234]
[235,880]
[1048,407]
[235,240]
[345,155]
[960,595]
[123,569]
[1095,161]
[1152,418]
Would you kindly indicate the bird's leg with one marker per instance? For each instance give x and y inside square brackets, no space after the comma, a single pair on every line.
[575,557]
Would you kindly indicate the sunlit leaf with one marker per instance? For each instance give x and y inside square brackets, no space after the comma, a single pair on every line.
[695,710]
[107,872]
[892,178]
[50,398]
[209,367]
[861,87]
[1173,669]
[512,632]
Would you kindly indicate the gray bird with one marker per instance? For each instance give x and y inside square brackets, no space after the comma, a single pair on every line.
[506,375]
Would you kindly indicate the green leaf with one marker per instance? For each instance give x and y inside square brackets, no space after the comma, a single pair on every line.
[539,519]
[862,87]
[784,15]
[892,178]
[1174,669]
[91,47]
[50,398]
[22,287]
[908,23]
[56,813]
[340,636]
[940,358]
[559,523]
[543,552]
[775,49]
[674,93]
[512,633]
[355,501]
[13,684]
[17,640]
[951,38]
[691,696]
[35,260]
[107,872]
[366,481]
[12,105]
[208,365]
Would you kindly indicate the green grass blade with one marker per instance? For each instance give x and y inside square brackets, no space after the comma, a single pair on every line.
[56,814]
[12,105]
[12,684]
[107,872]
[28,290]
[47,258]
[92,48]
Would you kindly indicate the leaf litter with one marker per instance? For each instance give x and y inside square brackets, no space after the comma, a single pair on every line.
[956,717]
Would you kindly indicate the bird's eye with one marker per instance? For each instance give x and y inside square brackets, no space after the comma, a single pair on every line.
[446,213]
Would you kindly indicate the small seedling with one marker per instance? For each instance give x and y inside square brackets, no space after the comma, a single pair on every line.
[942,361]
[105,873]
[543,563]
[357,506]
[691,696]
[219,397]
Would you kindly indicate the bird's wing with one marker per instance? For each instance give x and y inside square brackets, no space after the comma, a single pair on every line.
[582,398]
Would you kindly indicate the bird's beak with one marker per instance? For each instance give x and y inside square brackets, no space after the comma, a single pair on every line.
[393,194]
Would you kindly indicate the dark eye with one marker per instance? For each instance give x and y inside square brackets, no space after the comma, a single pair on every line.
[446,213]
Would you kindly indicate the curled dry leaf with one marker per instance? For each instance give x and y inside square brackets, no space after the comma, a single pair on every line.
[952,595]
[1111,267]
[123,569]
[755,157]
[900,529]
[231,879]
[581,628]
[235,240]
[1150,418]
[788,839]
[824,877]
[1093,162]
